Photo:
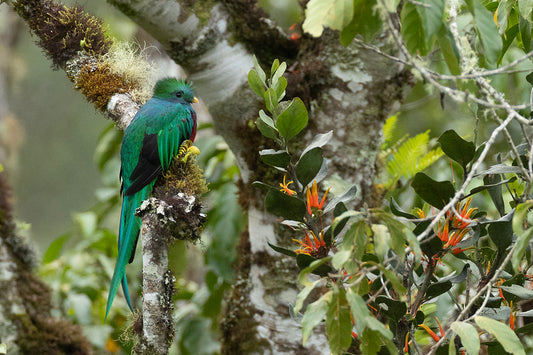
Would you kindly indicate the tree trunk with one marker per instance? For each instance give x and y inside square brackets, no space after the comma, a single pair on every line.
[26,325]
[348,90]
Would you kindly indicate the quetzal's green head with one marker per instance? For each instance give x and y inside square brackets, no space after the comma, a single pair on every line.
[171,89]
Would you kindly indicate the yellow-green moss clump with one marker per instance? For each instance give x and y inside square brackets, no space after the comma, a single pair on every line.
[183,176]
[98,83]
[128,61]
[64,31]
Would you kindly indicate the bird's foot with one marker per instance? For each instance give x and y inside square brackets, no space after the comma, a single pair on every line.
[187,150]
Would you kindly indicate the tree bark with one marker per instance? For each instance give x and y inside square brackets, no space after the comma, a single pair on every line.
[26,325]
[349,90]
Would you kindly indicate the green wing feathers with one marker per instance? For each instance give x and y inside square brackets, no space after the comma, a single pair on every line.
[150,142]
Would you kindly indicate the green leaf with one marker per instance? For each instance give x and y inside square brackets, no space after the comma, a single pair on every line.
[54,250]
[319,141]
[411,157]
[431,16]
[414,37]
[338,323]
[302,296]
[259,70]
[477,189]
[354,239]
[392,308]
[366,22]
[505,336]
[293,120]
[266,126]
[469,337]
[271,100]
[449,50]
[486,30]
[282,205]
[437,289]
[457,148]
[266,130]
[274,67]
[276,158]
[335,14]
[309,165]
[358,309]
[495,191]
[315,266]
[523,231]
[282,250]
[340,258]
[521,292]
[315,313]
[525,7]
[346,196]
[436,193]
[278,74]
[525,33]
[255,83]
[508,38]
[501,233]
[501,169]
[280,87]
[376,325]
[397,210]
[399,234]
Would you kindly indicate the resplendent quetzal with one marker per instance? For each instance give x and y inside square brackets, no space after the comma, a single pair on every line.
[150,142]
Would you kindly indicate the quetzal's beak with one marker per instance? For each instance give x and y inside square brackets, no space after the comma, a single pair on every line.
[195,100]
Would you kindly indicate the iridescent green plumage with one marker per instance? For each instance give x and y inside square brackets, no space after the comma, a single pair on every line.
[150,142]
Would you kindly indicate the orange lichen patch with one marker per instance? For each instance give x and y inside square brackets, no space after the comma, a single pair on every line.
[99,84]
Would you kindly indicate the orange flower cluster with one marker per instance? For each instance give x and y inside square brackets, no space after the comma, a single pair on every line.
[458,222]
[312,198]
[315,247]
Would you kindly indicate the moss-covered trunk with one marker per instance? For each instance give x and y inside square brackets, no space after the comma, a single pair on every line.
[348,90]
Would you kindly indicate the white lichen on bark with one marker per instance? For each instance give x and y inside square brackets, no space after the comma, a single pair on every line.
[10,304]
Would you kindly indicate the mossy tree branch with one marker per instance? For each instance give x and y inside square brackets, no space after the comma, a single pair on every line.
[344,89]
[76,42]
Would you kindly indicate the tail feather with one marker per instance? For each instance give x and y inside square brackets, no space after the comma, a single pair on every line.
[130,226]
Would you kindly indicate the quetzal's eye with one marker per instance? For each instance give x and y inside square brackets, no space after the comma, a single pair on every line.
[179,94]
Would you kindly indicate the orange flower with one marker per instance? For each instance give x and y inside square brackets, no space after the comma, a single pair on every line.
[461,220]
[440,327]
[450,238]
[312,198]
[430,332]
[512,320]
[285,187]
[315,247]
